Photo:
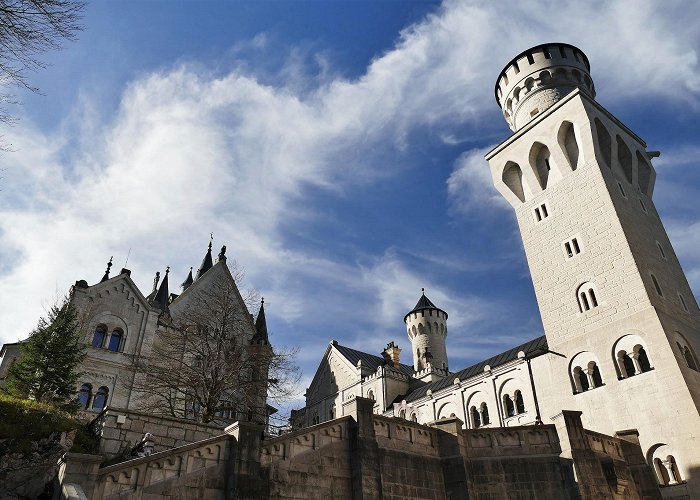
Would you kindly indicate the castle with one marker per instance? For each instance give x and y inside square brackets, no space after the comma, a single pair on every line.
[620,321]
[127,331]
[604,405]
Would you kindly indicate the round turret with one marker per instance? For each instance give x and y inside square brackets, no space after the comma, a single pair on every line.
[426,326]
[539,77]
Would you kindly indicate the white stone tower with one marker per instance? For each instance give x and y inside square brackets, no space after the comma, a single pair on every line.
[615,303]
[426,326]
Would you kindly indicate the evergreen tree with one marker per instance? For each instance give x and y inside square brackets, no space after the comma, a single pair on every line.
[47,369]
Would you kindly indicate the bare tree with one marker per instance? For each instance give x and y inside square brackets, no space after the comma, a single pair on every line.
[209,363]
[29,28]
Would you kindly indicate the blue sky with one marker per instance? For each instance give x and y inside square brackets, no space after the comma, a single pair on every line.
[336,148]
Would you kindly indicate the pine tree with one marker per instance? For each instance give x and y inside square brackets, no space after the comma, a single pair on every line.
[47,369]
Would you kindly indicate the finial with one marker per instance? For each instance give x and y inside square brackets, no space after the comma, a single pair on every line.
[423,290]
[211,238]
[156,280]
[262,300]
[109,266]
[222,253]
[167,270]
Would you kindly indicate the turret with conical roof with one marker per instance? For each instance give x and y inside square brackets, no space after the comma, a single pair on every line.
[426,325]
[161,298]
[188,281]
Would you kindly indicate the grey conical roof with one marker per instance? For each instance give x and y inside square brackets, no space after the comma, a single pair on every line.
[261,326]
[207,263]
[188,281]
[161,298]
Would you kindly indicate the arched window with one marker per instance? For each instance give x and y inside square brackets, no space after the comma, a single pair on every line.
[661,472]
[689,358]
[115,341]
[568,144]
[476,419]
[624,158]
[519,403]
[100,400]
[485,414]
[581,380]
[540,163]
[594,372]
[642,359]
[414,417]
[98,338]
[402,414]
[370,395]
[508,406]
[657,287]
[84,395]
[604,142]
[625,362]
[587,297]
[643,173]
[512,177]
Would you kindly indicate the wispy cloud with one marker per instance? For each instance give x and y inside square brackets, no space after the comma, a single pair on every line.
[191,151]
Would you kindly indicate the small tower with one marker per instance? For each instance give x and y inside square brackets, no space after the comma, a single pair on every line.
[426,326]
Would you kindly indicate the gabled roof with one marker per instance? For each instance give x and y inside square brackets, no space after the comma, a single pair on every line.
[537,345]
[369,360]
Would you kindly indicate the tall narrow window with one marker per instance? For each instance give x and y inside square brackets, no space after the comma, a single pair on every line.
[622,190]
[476,419]
[584,301]
[587,297]
[656,285]
[594,301]
[115,341]
[99,337]
[538,215]
[683,304]
[661,250]
[569,250]
[519,403]
[643,360]
[84,395]
[508,406]
[574,243]
[485,414]
[689,358]
[100,400]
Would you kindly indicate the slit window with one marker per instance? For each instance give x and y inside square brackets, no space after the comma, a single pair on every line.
[685,307]
[656,286]
[661,250]
[572,248]
[541,212]
[622,190]
[644,207]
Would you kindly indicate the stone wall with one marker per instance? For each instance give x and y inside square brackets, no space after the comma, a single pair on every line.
[366,456]
[121,429]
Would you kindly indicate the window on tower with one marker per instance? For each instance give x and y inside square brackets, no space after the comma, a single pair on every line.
[587,297]
[98,338]
[657,286]
[572,247]
[541,212]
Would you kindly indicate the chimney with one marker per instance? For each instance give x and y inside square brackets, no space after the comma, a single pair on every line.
[393,351]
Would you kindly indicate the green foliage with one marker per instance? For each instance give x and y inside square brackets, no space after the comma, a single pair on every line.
[24,421]
[47,369]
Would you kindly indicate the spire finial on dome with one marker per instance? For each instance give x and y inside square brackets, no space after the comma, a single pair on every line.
[109,266]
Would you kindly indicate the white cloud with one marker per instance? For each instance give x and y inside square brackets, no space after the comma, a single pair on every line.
[191,152]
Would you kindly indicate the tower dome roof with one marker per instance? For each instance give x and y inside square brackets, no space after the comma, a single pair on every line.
[537,78]
[424,303]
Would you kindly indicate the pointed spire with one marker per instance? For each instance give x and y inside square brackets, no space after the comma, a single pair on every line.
[206,262]
[109,266]
[188,281]
[161,298]
[260,336]
[423,304]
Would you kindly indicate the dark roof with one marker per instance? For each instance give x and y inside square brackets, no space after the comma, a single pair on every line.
[261,326]
[423,303]
[188,281]
[538,344]
[207,263]
[161,298]
[369,360]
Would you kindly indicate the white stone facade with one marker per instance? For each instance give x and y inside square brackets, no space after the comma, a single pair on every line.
[619,316]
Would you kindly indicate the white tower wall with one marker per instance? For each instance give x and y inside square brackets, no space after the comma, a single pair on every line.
[574,172]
